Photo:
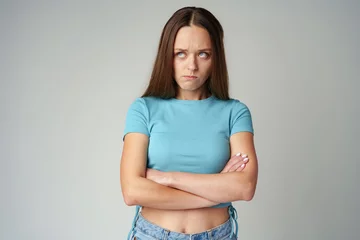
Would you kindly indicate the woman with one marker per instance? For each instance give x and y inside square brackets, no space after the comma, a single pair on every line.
[179,136]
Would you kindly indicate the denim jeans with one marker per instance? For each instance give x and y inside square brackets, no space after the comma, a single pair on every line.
[145,230]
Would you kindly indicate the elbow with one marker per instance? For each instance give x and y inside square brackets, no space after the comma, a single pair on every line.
[128,199]
[129,195]
[247,193]
[250,193]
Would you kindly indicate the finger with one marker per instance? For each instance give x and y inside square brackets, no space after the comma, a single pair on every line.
[245,160]
[235,160]
[232,161]
[225,169]
[239,165]
[234,165]
[231,164]
[244,156]
[228,166]
[242,167]
[237,155]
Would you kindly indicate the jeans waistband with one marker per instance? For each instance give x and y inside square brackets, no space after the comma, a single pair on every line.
[142,225]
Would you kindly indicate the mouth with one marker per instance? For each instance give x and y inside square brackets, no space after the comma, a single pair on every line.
[190,77]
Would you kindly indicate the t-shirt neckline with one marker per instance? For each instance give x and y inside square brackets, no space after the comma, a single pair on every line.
[205,100]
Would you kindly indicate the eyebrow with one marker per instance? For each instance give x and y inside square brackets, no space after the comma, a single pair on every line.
[200,50]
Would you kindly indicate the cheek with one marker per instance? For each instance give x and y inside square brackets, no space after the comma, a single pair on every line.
[177,66]
[207,68]
[180,69]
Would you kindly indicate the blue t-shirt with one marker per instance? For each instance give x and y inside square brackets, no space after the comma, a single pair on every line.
[188,135]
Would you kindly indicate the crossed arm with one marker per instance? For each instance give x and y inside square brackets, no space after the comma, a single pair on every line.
[178,190]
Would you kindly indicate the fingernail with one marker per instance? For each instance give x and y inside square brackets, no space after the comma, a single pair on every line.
[244,155]
[242,165]
[245,159]
[238,154]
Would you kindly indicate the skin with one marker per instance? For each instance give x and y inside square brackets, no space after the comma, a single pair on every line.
[181,202]
[192,57]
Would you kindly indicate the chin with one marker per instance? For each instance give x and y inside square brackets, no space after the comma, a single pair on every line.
[190,86]
[187,88]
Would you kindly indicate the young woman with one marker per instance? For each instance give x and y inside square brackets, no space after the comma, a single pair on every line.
[188,148]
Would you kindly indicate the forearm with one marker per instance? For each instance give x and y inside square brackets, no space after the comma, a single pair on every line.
[224,187]
[147,193]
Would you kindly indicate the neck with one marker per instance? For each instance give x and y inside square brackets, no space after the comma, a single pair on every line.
[190,95]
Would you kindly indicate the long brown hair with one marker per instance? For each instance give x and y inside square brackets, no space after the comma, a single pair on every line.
[161,82]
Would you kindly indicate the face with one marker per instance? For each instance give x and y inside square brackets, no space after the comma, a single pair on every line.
[192,58]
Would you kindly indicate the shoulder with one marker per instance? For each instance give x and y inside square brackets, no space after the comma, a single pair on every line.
[149,100]
[238,104]
[234,104]
[240,117]
[144,102]
[138,105]
[147,106]
[239,107]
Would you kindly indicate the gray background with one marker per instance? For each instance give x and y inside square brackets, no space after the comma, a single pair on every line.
[70,69]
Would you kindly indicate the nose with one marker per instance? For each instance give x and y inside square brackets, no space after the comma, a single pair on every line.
[192,64]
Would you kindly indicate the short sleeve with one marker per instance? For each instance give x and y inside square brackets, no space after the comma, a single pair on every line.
[241,120]
[137,118]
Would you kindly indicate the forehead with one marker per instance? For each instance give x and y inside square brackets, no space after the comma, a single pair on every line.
[192,37]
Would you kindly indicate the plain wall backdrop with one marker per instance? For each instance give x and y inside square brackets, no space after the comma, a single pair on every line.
[70,69]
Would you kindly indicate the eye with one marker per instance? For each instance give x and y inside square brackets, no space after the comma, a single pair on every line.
[180,54]
[204,55]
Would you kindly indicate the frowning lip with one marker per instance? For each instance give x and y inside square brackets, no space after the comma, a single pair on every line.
[190,76]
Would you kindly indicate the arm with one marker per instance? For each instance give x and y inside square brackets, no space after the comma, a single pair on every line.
[224,187]
[137,190]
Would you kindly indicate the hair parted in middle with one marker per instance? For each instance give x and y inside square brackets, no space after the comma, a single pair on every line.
[162,83]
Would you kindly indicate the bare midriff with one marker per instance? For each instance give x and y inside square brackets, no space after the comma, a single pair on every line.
[186,221]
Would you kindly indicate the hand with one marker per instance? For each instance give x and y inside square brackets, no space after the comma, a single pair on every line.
[236,163]
[162,178]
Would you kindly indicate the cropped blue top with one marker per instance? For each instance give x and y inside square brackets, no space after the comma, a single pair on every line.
[188,135]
